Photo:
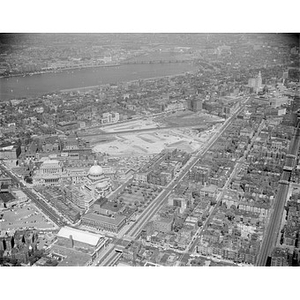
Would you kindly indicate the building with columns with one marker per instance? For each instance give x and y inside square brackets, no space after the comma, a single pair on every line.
[50,172]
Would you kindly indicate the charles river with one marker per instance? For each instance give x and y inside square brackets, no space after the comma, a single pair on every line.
[40,84]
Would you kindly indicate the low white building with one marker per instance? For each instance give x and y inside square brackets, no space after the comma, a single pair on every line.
[78,247]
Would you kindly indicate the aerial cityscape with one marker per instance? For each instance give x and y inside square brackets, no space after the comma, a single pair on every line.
[149,149]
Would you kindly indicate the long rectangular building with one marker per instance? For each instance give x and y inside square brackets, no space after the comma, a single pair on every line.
[75,247]
[110,223]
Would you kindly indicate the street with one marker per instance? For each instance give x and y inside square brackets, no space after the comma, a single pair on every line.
[273,228]
[33,197]
[150,211]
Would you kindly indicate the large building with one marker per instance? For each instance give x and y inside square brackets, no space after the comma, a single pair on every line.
[10,199]
[194,105]
[256,83]
[67,126]
[96,184]
[76,247]
[5,183]
[200,174]
[50,172]
[111,223]
[104,215]
[278,101]
[180,201]
[110,118]
[77,175]
[10,152]
[19,245]
[82,187]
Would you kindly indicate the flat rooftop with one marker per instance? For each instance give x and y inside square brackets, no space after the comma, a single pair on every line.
[80,235]
[112,206]
[101,218]
[210,189]
[6,197]
[71,256]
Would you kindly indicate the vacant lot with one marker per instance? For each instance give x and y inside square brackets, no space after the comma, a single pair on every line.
[131,125]
[150,143]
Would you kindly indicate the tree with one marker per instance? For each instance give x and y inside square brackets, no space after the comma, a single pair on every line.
[213,202]
[13,261]
[54,263]
[195,194]
[28,179]
[200,223]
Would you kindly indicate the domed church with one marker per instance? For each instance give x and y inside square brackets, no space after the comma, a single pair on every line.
[97,184]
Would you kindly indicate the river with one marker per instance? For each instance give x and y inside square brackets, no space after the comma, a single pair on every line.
[40,84]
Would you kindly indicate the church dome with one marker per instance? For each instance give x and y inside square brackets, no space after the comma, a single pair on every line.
[95,171]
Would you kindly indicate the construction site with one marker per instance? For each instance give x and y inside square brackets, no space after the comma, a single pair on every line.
[147,137]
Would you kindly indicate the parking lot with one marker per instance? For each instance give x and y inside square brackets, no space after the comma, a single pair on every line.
[26,216]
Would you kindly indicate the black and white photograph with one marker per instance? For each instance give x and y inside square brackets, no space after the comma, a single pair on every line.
[127,146]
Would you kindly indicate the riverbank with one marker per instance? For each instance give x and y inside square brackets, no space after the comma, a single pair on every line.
[60,70]
[88,78]
[98,66]
[130,81]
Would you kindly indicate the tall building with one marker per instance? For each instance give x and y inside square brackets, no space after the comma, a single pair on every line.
[10,152]
[200,174]
[256,83]
[194,104]
[180,201]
